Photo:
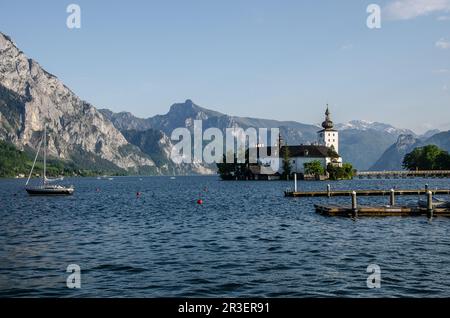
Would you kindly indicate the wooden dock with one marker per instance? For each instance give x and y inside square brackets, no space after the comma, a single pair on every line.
[403,174]
[348,193]
[387,210]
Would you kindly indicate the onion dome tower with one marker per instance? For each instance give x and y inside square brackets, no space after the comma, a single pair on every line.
[328,136]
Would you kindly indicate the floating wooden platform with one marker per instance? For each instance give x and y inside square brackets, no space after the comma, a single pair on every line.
[387,210]
[344,193]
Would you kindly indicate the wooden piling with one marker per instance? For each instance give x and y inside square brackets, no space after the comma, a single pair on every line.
[430,204]
[329,190]
[295,182]
[392,197]
[354,205]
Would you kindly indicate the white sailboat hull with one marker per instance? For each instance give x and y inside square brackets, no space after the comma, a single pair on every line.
[49,190]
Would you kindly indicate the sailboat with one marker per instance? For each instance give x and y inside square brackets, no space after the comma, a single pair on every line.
[45,188]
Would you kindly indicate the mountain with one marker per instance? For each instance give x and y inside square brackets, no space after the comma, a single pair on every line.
[126,121]
[30,98]
[158,146]
[145,133]
[184,114]
[361,142]
[363,147]
[429,134]
[442,140]
[364,125]
[365,141]
[392,158]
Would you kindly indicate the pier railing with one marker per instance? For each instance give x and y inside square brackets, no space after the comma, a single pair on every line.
[403,174]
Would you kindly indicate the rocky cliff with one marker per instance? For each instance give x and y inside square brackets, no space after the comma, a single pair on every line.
[30,98]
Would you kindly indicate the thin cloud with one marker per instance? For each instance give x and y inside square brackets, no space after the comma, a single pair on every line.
[443,44]
[442,71]
[443,18]
[410,9]
[346,47]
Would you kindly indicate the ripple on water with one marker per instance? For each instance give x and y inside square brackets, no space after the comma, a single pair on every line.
[245,240]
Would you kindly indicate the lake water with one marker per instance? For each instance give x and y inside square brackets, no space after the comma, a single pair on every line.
[246,239]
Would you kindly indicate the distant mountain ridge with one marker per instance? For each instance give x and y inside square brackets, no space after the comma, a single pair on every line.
[365,125]
[361,142]
[392,158]
[183,115]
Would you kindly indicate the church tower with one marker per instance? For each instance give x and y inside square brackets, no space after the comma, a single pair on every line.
[328,136]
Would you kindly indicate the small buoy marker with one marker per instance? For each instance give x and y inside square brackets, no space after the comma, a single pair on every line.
[138,194]
[200,201]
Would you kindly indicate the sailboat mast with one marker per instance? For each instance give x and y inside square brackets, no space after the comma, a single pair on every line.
[45,154]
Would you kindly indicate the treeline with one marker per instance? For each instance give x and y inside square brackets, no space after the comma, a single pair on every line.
[14,162]
[429,157]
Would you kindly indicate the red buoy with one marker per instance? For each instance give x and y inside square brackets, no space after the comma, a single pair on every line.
[199,201]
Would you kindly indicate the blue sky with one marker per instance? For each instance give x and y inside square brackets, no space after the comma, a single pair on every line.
[272,59]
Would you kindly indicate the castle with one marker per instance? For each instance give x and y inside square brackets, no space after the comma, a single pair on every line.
[326,151]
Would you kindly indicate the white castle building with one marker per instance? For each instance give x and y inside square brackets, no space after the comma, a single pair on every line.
[325,151]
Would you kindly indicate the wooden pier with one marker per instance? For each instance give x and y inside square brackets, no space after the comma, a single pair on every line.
[430,209]
[387,210]
[403,174]
[347,193]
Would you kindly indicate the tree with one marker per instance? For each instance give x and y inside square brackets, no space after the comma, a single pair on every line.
[234,170]
[287,167]
[340,173]
[430,157]
[226,170]
[314,167]
[443,161]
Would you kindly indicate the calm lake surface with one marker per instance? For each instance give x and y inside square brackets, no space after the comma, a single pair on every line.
[246,239]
